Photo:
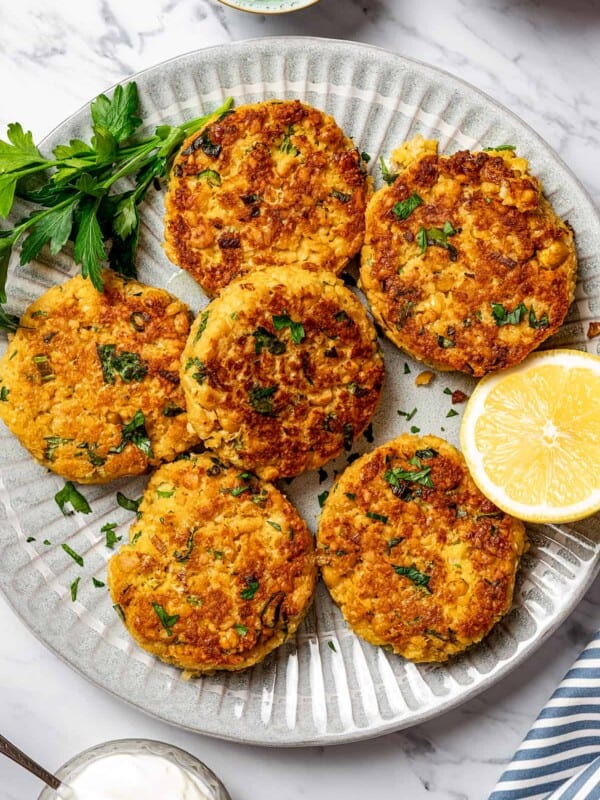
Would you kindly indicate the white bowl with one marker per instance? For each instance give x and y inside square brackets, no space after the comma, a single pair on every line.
[269,6]
[181,758]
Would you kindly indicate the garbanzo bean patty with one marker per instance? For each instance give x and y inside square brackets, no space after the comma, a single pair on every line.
[465,264]
[415,556]
[282,371]
[90,380]
[275,182]
[219,569]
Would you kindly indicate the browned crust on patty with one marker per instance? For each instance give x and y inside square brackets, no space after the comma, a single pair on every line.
[376,530]
[226,558]
[509,248]
[267,402]
[285,186]
[68,403]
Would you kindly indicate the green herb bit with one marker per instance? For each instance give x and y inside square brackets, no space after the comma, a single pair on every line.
[406,369]
[74,587]
[165,490]
[128,365]
[241,630]
[47,542]
[297,332]
[69,494]
[127,504]
[365,157]
[119,611]
[53,443]
[181,557]
[166,620]
[200,374]
[377,517]
[8,322]
[452,413]
[134,432]
[348,435]
[264,339]
[393,542]
[351,496]
[438,237]
[209,176]
[405,208]
[408,414]
[287,145]
[447,390]
[75,556]
[98,583]
[388,177]
[274,524]
[504,317]
[420,476]
[415,429]
[135,537]
[93,457]
[500,147]
[419,579]
[426,454]
[322,498]
[138,320]
[341,196]
[331,646]
[534,322]
[252,585]
[202,325]
[42,365]
[261,399]
[445,343]
[30,539]
[4,392]
[172,410]
[194,600]
[109,529]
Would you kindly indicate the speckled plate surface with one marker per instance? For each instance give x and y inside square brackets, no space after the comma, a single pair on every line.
[307,692]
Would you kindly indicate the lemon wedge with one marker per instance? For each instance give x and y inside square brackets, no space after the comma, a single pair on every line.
[531,437]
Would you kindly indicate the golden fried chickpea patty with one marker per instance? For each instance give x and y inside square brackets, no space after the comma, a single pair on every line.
[219,569]
[465,264]
[415,556]
[282,371]
[276,183]
[90,380]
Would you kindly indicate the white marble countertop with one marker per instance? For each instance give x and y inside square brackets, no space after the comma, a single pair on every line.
[541,59]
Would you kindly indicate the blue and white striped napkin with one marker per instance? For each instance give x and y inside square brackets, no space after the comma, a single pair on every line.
[559,758]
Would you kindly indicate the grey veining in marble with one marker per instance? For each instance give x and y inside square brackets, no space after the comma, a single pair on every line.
[541,59]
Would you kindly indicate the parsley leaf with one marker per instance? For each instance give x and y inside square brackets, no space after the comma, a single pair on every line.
[504,317]
[438,237]
[69,494]
[181,557]
[136,433]
[20,150]
[8,322]
[117,116]
[534,322]
[412,573]
[500,147]
[242,630]
[260,398]
[111,537]
[264,339]
[420,476]
[75,556]
[128,365]
[405,208]
[252,585]
[89,242]
[74,587]
[127,503]
[388,177]
[166,620]
[281,321]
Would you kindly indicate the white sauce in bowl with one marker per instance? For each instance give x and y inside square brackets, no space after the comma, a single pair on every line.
[134,777]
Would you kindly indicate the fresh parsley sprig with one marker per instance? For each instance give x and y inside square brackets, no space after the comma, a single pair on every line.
[73,192]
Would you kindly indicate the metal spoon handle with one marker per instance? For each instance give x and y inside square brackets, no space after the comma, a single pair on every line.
[9,749]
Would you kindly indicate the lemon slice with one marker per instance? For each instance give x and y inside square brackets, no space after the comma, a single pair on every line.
[531,437]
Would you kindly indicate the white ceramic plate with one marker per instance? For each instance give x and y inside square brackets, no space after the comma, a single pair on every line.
[307,692]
